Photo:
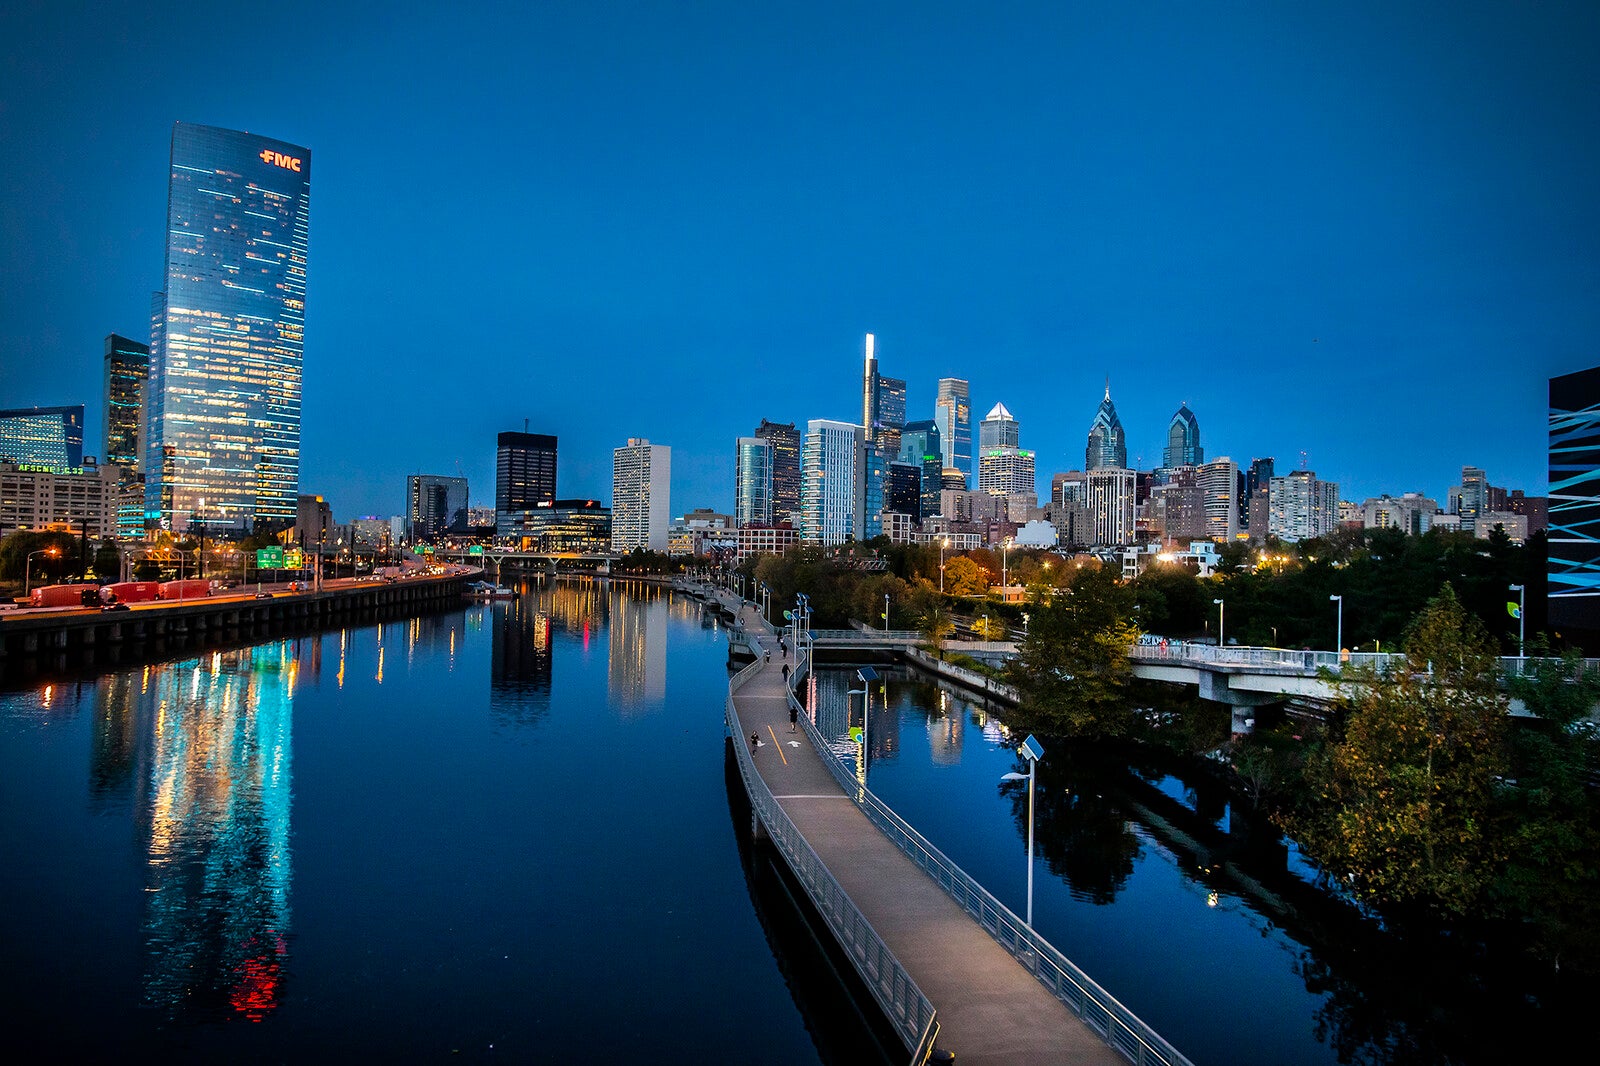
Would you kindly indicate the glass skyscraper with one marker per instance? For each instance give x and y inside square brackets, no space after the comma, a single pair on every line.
[1183,440]
[42,436]
[1108,447]
[953,413]
[785,441]
[228,333]
[127,367]
[752,494]
[524,478]
[1574,565]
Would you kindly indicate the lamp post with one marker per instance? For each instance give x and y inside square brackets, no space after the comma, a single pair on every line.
[1031,751]
[1522,612]
[1338,644]
[27,567]
[1221,616]
[886,612]
[943,544]
[1005,546]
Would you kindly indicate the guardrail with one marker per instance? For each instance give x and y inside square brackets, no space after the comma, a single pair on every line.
[1311,661]
[910,1014]
[1119,1026]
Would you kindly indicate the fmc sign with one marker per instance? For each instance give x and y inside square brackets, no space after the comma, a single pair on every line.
[278,159]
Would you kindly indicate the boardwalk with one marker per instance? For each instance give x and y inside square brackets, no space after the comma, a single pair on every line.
[991,1010]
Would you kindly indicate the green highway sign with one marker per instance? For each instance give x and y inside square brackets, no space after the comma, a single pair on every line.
[475,549]
[269,558]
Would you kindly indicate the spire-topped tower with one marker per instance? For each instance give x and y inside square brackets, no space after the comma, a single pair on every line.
[1183,440]
[1108,447]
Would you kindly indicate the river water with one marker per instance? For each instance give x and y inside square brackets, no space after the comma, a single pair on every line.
[507,832]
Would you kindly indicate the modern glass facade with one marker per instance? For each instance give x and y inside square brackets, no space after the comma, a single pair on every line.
[904,493]
[752,502]
[127,366]
[828,481]
[42,436]
[953,413]
[919,444]
[524,477]
[785,441]
[1574,529]
[582,527]
[435,505]
[1183,440]
[1108,447]
[641,495]
[228,337]
[999,429]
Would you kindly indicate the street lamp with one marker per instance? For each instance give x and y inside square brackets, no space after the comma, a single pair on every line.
[1338,644]
[1004,546]
[886,612]
[27,567]
[943,544]
[1522,612]
[1221,609]
[1031,751]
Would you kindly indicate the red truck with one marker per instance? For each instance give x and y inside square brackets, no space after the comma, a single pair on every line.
[195,588]
[64,595]
[130,592]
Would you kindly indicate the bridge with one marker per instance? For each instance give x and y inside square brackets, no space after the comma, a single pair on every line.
[952,969]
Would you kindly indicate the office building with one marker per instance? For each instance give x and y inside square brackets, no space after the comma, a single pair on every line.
[641,496]
[1108,447]
[903,494]
[1301,507]
[883,405]
[1111,491]
[1411,513]
[127,366]
[73,499]
[1218,482]
[314,527]
[1183,440]
[223,396]
[48,437]
[1474,497]
[435,505]
[997,430]
[872,488]
[953,413]
[752,482]
[581,527]
[828,481]
[1008,472]
[1177,509]
[524,477]
[784,440]
[919,445]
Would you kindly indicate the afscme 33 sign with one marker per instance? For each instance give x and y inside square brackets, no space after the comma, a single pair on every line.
[278,159]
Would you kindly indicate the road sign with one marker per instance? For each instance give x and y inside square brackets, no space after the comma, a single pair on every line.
[475,549]
[269,558]
[294,558]
[1031,749]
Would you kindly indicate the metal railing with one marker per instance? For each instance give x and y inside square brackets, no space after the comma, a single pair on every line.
[1119,1026]
[1277,658]
[908,1011]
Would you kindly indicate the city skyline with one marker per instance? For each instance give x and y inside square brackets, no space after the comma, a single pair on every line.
[1379,260]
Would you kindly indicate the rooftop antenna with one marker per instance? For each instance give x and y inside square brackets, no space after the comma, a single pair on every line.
[524,425]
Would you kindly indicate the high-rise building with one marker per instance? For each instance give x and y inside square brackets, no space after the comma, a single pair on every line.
[223,397]
[127,365]
[903,493]
[883,405]
[828,481]
[42,436]
[1301,507]
[785,441]
[1183,440]
[56,496]
[1177,509]
[1111,491]
[582,526]
[953,413]
[1412,513]
[1474,497]
[1574,505]
[435,505]
[869,392]
[999,429]
[1007,472]
[524,478]
[1218,485]
[641,496]
[752,480]
[1107,445]
[1253,508]
[872,488]
[919,445]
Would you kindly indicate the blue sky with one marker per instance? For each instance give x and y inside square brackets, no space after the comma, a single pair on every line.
[1363,231]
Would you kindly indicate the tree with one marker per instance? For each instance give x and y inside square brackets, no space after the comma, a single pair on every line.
[937,624]
[963,577]
[1072,668]
[1400,808]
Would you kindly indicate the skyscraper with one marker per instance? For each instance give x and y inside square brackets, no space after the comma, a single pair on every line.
[42,436]
[883,404]
[524,478]
[1183,439]
[1107,445]
[641,495]
[785,441]
[1218,484]
[127,366]
[869,391]
[953,413]
[1301,507]
[919,445]
[828,481]
[1111,491]
[1474,497]
[997,430]
[903,490]
[435,504]
[752,479]
[229,333]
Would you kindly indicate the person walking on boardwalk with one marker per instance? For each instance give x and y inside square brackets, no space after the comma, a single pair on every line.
[794,716]
[767,655]
[786,674]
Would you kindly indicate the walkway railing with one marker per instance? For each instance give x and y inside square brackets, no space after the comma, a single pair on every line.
[1120,1027]
[903,1003]
[1311,661]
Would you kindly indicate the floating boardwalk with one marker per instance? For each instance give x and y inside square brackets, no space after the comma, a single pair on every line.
[951,968]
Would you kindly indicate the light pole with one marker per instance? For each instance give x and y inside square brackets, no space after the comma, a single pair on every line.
[1221,615]
[1005,546]
[866,704]
[1031,751]
[27,567]
[886,612]
[1522,611]
[943,544]
[1338,643]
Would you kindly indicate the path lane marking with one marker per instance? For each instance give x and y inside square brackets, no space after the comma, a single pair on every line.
[775,744]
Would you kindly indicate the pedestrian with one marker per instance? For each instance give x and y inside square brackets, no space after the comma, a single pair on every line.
[794,716]
[766,655]
[755,741]
[786,673]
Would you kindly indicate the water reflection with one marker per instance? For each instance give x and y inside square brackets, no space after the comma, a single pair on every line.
[216,811]
[521,662]
[636,675]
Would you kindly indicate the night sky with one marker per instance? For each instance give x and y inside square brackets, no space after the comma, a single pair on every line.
[1363,231]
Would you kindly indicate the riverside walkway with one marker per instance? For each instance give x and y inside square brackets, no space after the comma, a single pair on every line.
[991,1007]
